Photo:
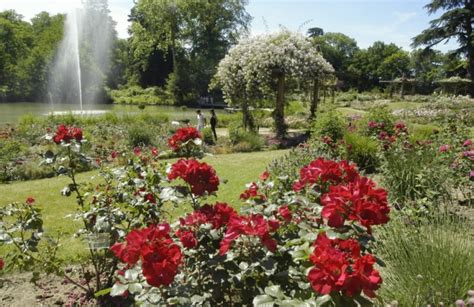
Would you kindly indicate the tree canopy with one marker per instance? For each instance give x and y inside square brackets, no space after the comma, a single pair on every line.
[455,22]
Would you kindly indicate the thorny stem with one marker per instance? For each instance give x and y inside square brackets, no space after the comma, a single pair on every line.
[80,200]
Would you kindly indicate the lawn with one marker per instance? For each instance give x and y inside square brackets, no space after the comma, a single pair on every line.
[234,169]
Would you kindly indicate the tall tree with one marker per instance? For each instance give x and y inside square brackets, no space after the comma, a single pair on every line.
[196,34]
[456,22]
[338,49]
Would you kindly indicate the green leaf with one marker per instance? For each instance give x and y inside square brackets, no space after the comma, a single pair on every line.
[275,291]
[263,301]
[320,301]
[102,292]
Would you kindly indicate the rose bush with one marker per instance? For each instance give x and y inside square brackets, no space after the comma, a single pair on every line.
[186,141]
[308,243]
[304,235]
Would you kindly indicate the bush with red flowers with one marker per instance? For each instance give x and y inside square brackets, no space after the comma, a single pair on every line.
[65,134]
[200,177]
[153,246]
[186,141]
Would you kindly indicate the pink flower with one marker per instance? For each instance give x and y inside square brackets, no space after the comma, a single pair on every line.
[467,143]
[443,148]
[30,200]
[137,151]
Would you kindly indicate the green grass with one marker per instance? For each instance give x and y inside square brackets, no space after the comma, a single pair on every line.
[350,111]
[425,264]
[235,169]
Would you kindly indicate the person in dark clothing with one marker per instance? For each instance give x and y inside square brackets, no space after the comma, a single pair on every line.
[214,123]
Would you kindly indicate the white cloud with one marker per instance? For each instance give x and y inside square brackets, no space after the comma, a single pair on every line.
[119,9]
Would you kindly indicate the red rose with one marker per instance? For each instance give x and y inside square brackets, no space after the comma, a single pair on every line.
[66,134]
[30,200]
[357,201]
[2,264]
[340,267]
[252,193]
[137,151]
[153,245]
[253,225]
[264,176]
[114,154]
[201,177]
[285,213]
[187,238]
[154,151]
[181,136]
[322,171]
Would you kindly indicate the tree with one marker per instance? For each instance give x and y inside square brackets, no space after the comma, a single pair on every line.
[26,52]
[271,66]
[338,49]
[315,32]
[456,22]
[378,62]
[196,35]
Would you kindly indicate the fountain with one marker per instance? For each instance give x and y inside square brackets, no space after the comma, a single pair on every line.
[82,60]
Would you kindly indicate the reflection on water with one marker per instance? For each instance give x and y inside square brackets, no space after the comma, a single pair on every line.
[11,112]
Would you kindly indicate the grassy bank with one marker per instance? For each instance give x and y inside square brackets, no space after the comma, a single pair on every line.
[234,169]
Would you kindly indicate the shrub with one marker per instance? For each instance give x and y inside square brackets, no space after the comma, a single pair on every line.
[207,136]
[244,141]
[331,124]
[363,151]
[426,264]
[414,174]
[138,136]
[378,120]
[421,132]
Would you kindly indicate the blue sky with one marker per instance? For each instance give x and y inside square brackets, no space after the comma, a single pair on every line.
[366,21]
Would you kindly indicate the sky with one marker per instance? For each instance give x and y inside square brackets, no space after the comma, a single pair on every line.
[367,21]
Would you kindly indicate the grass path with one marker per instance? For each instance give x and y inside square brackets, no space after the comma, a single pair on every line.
[235,169]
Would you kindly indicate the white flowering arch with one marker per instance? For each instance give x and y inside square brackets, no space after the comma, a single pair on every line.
[264,66]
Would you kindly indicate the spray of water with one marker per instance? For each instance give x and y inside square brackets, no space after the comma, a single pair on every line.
[82,60]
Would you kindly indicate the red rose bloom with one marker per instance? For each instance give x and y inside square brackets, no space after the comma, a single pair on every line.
[137,151]
[285,213]
[356,201]
[201,177]
[154,151]
[253,225]
[187,238]
[339,266]
[264,176]
[181,136]
[114,154]
[153,245]
[30,200]
[66,134]
[252,193]
[2,264]
[322,171]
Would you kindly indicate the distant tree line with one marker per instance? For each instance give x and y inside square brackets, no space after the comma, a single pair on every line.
[176,45]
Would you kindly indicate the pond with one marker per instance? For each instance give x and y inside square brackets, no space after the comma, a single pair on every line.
[12,112]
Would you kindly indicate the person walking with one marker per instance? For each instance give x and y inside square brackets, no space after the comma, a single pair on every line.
[214,123]
[201,121]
